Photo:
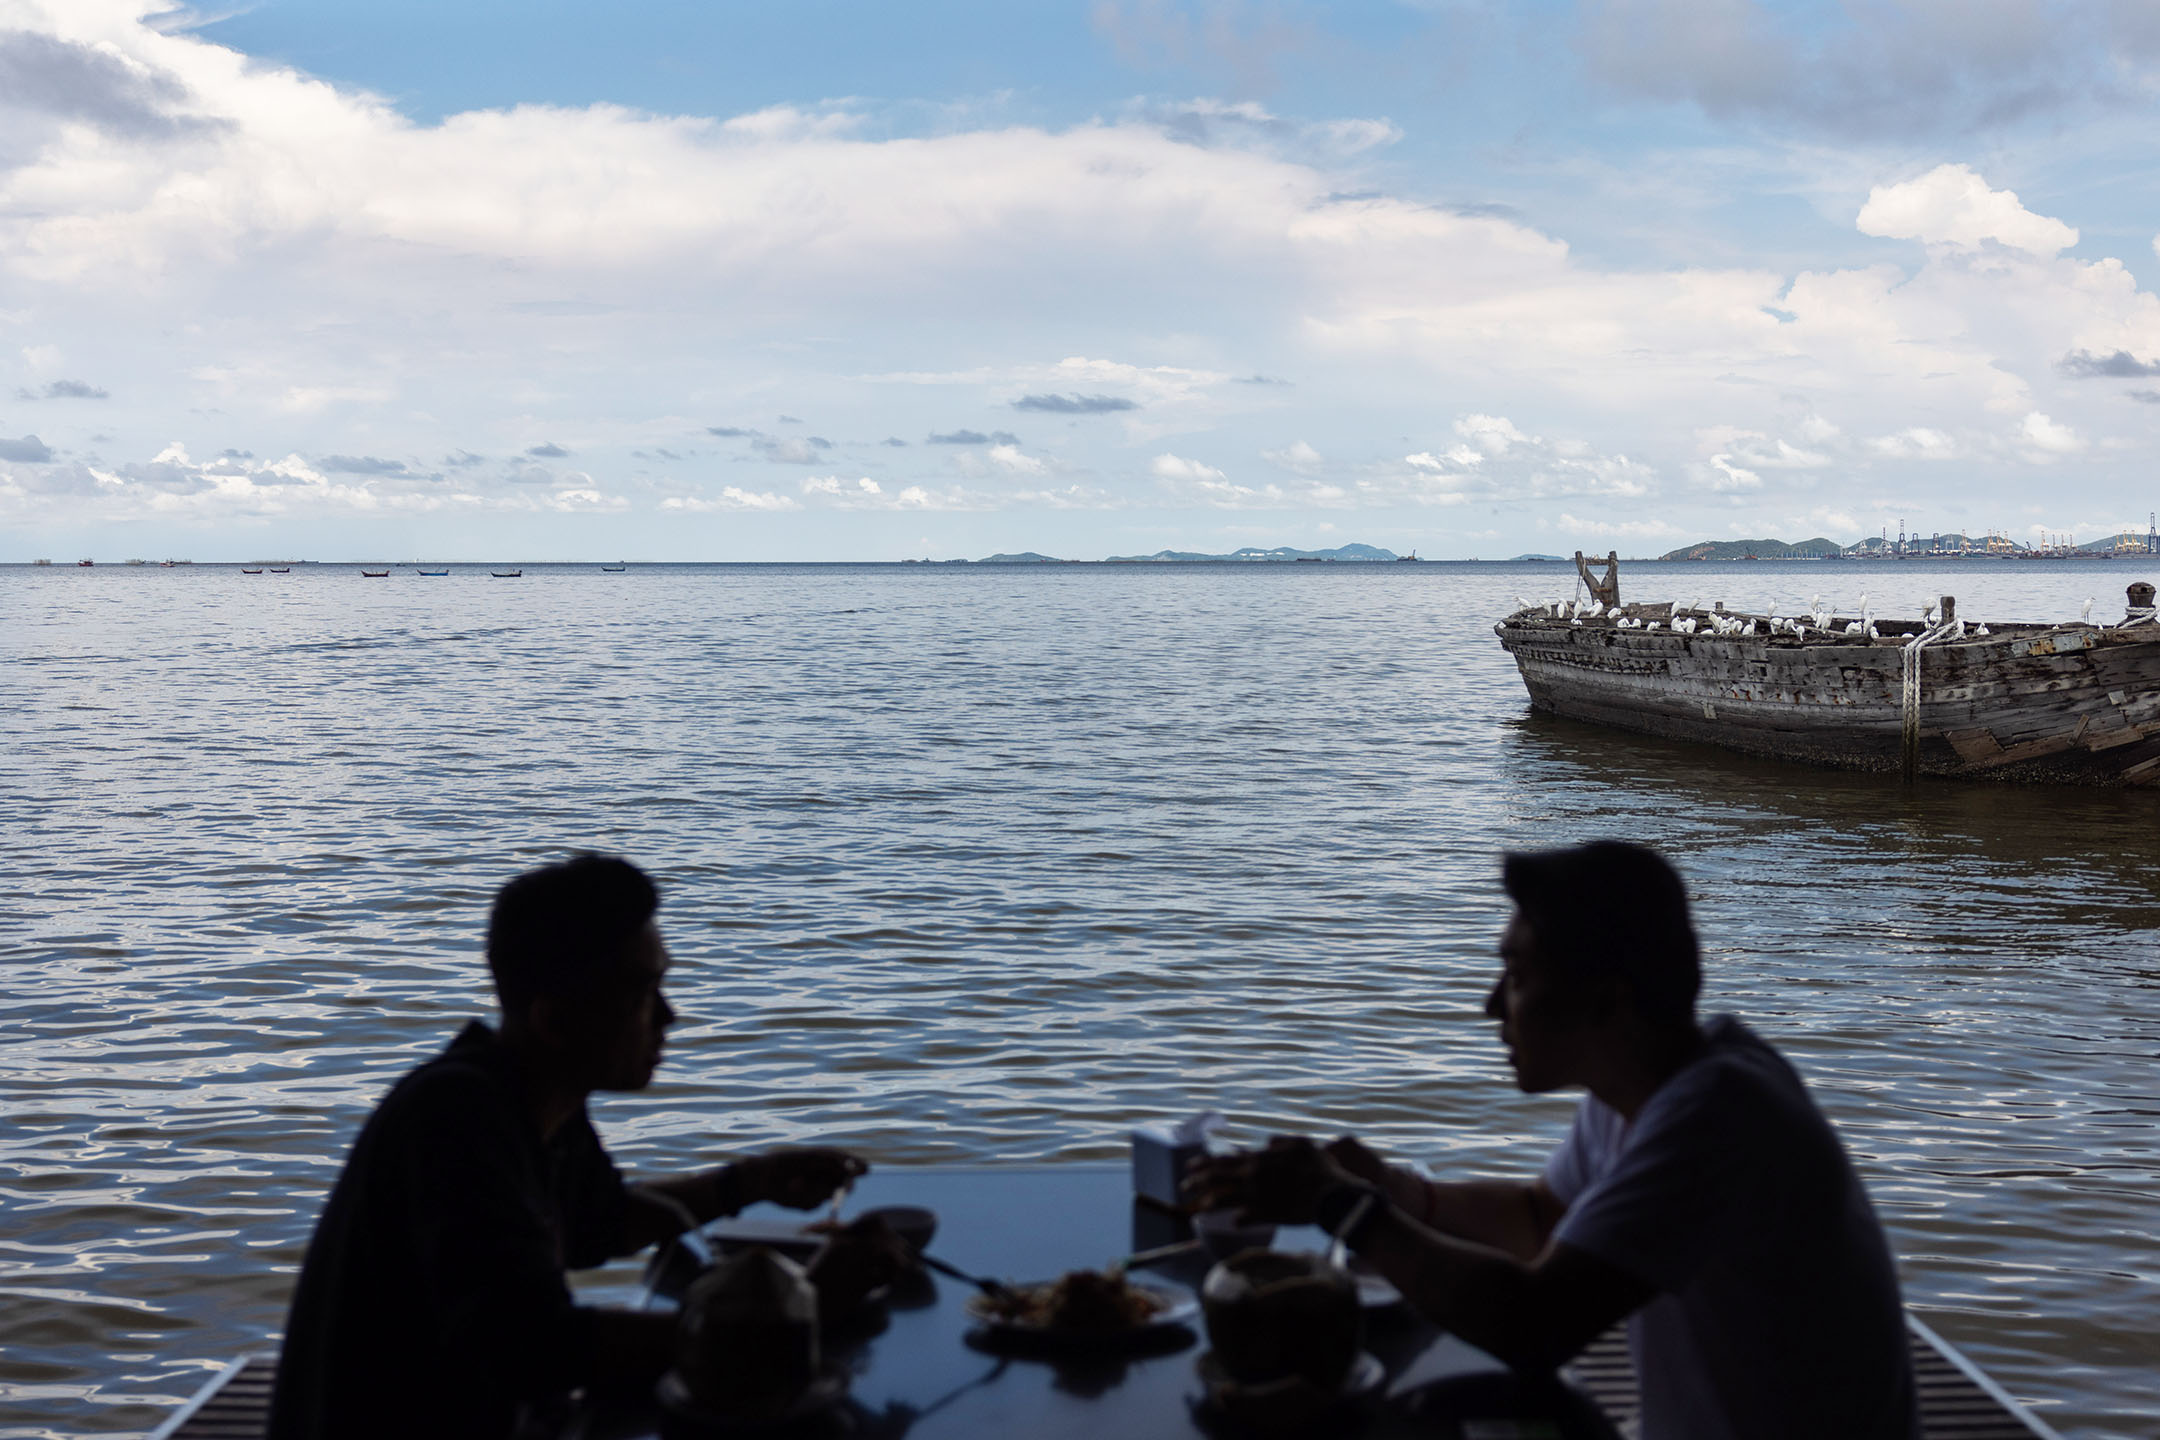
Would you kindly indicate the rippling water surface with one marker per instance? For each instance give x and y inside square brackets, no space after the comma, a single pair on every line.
[986,864]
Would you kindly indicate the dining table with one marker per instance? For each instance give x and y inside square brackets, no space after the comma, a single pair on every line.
[924,1365]
[918,1365]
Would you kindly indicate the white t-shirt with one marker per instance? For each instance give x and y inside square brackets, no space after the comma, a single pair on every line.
[1778,1312]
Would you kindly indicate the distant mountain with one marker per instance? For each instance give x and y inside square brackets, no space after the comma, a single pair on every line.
[1952,543]
[1256,555]
[1520,558]
[1025,557]
[1759,549]
[2129,542]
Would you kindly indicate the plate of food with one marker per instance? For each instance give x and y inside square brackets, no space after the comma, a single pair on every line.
[1086,1309]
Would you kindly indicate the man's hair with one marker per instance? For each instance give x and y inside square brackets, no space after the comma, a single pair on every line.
[555,930]
[1611,910]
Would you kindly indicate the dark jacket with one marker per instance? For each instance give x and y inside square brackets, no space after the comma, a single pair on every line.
[432,1301]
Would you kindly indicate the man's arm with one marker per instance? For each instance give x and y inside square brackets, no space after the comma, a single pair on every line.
[1515,1217]
[799,1178]
[1531,1311]
[1532,1314]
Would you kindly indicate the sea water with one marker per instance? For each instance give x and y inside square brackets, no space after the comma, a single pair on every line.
[988,864]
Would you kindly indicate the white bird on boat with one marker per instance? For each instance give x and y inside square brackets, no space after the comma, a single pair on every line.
[1853,627]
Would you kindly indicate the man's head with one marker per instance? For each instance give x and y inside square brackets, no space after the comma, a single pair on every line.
[577,963]
[1600,952]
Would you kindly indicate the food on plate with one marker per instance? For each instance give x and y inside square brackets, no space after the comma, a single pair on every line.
[1091,1302]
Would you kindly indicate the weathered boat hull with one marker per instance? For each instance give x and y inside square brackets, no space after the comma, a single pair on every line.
[2076,704]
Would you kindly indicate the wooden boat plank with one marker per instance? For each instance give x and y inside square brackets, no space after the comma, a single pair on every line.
[2069,703]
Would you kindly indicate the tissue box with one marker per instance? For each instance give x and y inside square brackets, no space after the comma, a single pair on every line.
[1160,1158]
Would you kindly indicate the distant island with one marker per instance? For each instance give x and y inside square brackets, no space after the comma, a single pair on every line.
[2127,542]
[1821,547]
[1756,550]
[1251,554]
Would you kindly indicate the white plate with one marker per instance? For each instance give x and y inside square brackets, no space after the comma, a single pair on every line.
[1175,1307]
[1374,1292]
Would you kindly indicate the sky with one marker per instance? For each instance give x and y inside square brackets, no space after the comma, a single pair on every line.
[691,280]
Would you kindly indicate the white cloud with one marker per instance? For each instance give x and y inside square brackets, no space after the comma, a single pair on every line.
[834,485]
[576,501]
[1175,467]
[335,278]
[1727,476]
[1952,205]
[1918,442]
[1353,136]
[1460,455]
[1620,529]
[1494,434]
[731,497]
[1297,456]
[1762,452]
[1010,459]
[2047,438]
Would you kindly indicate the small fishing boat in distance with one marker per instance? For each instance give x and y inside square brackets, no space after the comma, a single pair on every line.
[2067,704]
[506,574]
[374,574]
[433,572]
[281,570]
[613,569]
[245,571]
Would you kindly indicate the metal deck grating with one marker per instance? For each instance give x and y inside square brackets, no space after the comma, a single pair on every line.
[1957,1402]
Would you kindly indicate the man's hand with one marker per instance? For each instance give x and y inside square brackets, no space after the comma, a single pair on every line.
[1355,1156]
[1404,1188]
[1282,1183]
[799,1177]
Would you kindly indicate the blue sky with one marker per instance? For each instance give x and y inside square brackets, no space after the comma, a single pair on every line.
[825,280]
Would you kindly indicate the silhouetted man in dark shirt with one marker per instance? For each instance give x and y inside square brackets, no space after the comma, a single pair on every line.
[1700,1195]
[433,1300]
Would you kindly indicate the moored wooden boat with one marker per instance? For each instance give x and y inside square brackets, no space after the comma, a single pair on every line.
[2077,704]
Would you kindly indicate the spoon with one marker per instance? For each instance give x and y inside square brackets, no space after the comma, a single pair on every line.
[993,1288]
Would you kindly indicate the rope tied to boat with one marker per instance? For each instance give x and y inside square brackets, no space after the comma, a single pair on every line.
[1910,661]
